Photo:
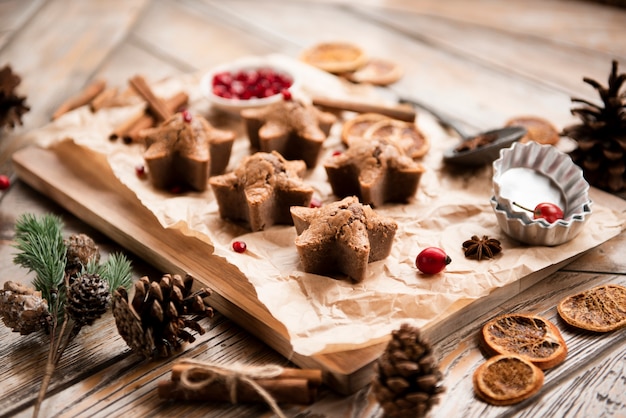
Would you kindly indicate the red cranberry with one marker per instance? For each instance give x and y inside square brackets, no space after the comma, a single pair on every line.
[140,170]
[315,203]
[5,182]
[187,116]
[286,94]
[247,84]
[337,153]
[239,246]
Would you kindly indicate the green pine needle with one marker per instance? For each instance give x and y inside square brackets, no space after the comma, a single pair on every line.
[43,251]
[117,271]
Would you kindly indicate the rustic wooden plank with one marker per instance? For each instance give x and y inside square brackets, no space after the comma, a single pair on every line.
[194,36]
[78,37]
[606,258]
[127,385]
[460,357]
[533,56]
[135,397]
[14,14]
[582,24]
[457,86]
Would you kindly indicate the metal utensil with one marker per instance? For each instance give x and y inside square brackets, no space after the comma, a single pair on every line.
[484,154]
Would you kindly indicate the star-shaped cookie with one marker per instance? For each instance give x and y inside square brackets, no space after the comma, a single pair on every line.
[294,129]
[261,190]
[376,170]
[185,150]
[343,236]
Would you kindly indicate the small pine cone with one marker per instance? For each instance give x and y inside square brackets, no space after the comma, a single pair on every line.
[23,309]
[407,380]
[154,322]
[87,298]
[81,249]
[12,105]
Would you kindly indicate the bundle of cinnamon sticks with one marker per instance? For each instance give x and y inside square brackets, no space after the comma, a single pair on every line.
[155,111]
[191,382]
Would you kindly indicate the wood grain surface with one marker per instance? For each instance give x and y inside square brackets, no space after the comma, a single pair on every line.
[479,62]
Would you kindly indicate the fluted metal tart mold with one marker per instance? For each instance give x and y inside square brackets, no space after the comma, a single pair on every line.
[529,174]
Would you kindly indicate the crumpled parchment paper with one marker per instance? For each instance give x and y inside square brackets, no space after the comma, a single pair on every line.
[324,314]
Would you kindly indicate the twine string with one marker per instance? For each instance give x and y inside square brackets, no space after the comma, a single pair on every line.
[231,376]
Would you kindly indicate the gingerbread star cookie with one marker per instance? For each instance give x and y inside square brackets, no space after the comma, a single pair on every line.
[261,190]
[184,150]
[377,171]
[342,237]
[294,129]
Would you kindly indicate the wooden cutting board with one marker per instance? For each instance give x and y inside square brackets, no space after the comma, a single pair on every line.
[82,182]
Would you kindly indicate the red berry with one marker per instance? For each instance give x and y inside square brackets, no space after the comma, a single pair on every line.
[239,246]
[187,116]
[5,182]
[432,260]
[336,153]
[315,203]
[548,211]
[286,94]
[140,170]
[246,84]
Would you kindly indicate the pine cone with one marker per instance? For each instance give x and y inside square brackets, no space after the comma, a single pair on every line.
[80,250]
[601,137]
[12,106]
[407,381]
[23,309]
[87,298]
[154,323]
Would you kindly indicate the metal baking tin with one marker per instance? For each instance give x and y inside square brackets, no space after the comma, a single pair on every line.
[529,174]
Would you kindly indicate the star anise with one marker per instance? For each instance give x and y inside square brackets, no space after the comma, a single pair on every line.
[480,248]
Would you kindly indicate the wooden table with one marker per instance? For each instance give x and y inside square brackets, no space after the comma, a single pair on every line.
[479,62]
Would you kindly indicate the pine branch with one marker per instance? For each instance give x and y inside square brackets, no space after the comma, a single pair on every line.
[117,271]
[40,241]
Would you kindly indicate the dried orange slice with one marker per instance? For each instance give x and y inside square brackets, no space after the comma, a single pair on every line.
[354,129]
[377,71]
[405,134]
[335,57]
[529,336]
[601,309]
[537,129]
[507,379]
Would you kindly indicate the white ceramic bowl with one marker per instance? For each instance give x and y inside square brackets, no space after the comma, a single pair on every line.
[540,232]
[246,64]
[531,173]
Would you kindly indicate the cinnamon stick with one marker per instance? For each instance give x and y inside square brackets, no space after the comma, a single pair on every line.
[173,104]
[155,104]
[105,99]
[130,128]
[400,112]
[295,391]
[294,386]
[121,130]
[81,99]
[314,376]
